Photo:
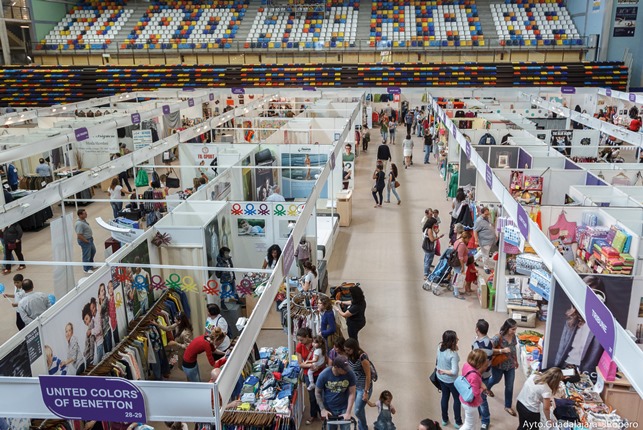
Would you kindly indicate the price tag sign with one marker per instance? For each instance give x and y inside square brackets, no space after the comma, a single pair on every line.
[93,398]
[488,175]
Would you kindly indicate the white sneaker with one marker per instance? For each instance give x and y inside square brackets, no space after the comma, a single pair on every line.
[88,271]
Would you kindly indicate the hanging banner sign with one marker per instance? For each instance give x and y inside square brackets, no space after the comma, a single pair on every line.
[191,102]
[166,109]
[467,150]
[489,176]
[238,91]
[568,90]
[523,222]
[211,96]
[93,398]
[632,97]
[136,118]
[81,134]
[309,88]
[394,90]
[288,255]
[104,142]
[600,321]
[608,92]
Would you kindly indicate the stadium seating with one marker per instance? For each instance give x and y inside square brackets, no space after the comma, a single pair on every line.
[333,27]
[188,25]
[415,23]
[91,25]
[534,23]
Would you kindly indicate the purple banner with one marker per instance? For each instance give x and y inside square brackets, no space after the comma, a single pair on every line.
[590,179]
[238,91]
[488,175]
[394,90]
[191,102]
[136,118]
[93,398]
[467,150]
[568,90]
[81,134]
[523,222]
[632,97]
[524,159]
[608,92]
[570,165]
[307,88]
[211,96]
[166,109]
[599,320]
[288,256]
[453,130]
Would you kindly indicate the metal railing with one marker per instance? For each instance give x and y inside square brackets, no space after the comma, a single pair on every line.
[17,12]
[236,46]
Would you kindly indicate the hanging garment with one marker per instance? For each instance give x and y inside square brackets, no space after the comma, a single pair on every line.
[487,139]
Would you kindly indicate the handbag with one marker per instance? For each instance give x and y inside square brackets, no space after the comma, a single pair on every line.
[433,377]
[498,359]
[428,245]
[141,178]
[172,182]
[374,189]
[454,260]
[397,184]
[463,386]
[11,246]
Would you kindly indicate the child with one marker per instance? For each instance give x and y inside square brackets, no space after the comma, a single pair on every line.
[318,360]
[338,349]
[436,215]
[54,364]
[18,293]
[471,275]
[386,410]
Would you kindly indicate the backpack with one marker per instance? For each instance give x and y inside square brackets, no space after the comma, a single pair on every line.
[373,369]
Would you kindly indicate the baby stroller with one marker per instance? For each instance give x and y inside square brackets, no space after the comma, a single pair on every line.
[441,276]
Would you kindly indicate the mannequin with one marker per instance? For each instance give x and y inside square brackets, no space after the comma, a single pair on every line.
[302,254]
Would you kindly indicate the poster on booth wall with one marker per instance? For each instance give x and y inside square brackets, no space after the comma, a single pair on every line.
[300,173]
[138,293]
[266,178]
[85,330]
[204,156]
[625,21]
[561,141]
[223,187]
[572,343]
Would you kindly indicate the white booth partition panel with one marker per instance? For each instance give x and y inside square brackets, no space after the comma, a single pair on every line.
[635,192]
[549,161]
[589,195]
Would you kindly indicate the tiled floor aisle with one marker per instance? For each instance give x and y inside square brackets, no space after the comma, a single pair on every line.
[405,323]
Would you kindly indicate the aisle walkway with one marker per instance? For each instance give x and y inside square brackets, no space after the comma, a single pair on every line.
[405,323]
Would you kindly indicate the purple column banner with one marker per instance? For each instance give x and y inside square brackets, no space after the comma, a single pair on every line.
[81,134]
[331,160]
[608,92]
[93,398]
[568,90]
[238,91]
[600,321]
[394,90]
[136,118]
[211,96]
[488,175]
[288,256]
[191,102]
[453,130]
[523,222]
[467,150]
[632,97]
[166,109]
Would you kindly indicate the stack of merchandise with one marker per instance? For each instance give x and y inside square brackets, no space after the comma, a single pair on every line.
[605,250]
[272,382]
[514,293]
[578,402]
[530,342]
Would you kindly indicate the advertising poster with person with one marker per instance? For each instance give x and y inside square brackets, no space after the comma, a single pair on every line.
[79,336]
[571,341]
[136,281]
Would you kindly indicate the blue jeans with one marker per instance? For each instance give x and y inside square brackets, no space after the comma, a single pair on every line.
[360,408]
[192,373]
[391,187]
[496,376]
[448,389]
[89,251]
[116,208]
[485,415]
[428,262]
[427,153]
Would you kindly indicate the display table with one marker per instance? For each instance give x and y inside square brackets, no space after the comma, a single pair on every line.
[345,207]
[620,395]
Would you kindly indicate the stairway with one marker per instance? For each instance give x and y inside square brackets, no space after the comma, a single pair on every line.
[363,24]
[139,10]
[246,24]
[486,19]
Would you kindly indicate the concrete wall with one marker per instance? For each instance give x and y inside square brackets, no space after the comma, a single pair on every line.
[46,15]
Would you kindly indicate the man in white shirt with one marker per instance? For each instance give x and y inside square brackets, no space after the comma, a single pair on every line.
[276,196]
[32,305]
[43,169]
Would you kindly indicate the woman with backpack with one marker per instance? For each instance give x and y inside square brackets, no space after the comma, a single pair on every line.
[361,366]
[477,362]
